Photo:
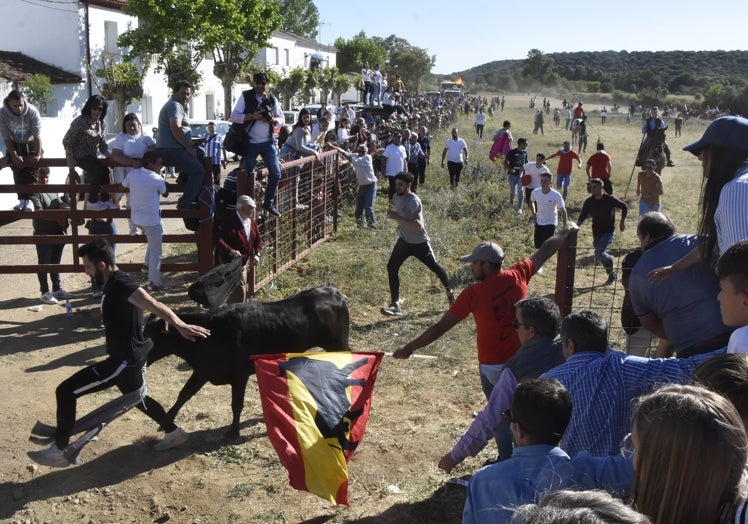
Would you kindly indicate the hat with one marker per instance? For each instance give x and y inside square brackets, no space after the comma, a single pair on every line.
[485,252]
[245,200]
[729,131]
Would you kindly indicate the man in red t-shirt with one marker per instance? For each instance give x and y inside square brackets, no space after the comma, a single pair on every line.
[579,111]
[566,156]
[600,166]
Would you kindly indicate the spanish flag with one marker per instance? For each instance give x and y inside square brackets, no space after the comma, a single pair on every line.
[458,80]
[315,407]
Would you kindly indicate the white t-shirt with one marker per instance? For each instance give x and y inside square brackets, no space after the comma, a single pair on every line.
[396,156]
[738,341]
[145,189]
[548,205]
[132,146]
[532,169]
[454,149]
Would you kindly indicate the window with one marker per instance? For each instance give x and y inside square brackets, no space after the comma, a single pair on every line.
[110,38]
[287,53]
[276,56]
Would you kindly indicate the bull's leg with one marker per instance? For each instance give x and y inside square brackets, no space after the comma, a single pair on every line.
[192,386]
[237,405]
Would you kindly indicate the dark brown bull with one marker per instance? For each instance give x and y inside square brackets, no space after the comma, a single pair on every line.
[317,317]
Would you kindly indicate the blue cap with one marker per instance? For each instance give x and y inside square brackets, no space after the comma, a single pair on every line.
[729,131]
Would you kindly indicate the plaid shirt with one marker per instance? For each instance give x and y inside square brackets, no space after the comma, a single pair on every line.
[602,387]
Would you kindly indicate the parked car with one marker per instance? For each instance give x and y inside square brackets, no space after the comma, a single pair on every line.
[200,127]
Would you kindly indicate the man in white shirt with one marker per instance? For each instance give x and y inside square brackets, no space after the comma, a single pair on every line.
[534,170]
[395,161]
[547,204]
[146,186]
[456,153]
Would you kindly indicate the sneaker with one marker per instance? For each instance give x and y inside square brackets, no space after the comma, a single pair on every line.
[61,294]
[21,204]
[171,440]
[144,269]
[539,270]
[271,210]
[27,206]
[109,204]
[670,163]
[48,298]
[450,296]
[393,310]
[157,288]
[51,456]
[611,277]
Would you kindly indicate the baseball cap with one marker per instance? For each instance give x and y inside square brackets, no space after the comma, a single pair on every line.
[729,131]
[245,200]
[485,252]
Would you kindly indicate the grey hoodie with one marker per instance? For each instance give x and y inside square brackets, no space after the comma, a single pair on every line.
[22,128]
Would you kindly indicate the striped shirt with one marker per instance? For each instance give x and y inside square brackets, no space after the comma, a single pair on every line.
[213,147]
[730,217]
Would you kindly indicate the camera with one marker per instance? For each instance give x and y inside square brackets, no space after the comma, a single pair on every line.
[267,110]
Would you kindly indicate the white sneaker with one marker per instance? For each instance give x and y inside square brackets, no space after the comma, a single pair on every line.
[61,294]
[96,206]
[48,298]
[21,204]
[51,456]
[28,206]
[171,440]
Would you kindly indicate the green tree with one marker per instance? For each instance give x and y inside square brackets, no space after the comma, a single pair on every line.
[300,17]
[233,31]
[352,53]
[122,83]
[538,66]
[413,64]
[38,89]
[291,85]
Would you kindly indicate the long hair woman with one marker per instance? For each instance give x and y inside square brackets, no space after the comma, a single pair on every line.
[85,139]
[690,452]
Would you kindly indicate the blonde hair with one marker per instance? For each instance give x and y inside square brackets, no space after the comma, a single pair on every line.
[691,455]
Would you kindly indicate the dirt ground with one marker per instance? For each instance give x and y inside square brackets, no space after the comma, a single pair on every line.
[393,477]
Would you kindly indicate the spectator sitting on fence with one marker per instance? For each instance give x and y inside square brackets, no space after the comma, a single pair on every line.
[128,149]
[299,144]
[683,309]
[20,128]
[146,186]
[237,235]
[85,139]
[49,253]
[603,382]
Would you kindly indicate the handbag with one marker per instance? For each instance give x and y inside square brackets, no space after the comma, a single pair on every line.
[236,140]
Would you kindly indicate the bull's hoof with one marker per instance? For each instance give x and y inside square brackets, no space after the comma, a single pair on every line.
[232,434]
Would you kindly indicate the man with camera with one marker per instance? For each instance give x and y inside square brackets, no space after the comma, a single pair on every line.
[261,113]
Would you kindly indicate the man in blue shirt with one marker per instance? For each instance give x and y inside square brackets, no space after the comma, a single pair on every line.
[540,412]
[603,382]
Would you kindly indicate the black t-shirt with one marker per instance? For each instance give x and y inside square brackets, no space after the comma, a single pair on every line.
[123,321]
[516,159]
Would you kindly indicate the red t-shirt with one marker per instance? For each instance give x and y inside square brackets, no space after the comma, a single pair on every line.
[565,159]
[599,165]
[492,304]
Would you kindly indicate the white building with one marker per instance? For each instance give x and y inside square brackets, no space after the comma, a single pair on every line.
[75,37]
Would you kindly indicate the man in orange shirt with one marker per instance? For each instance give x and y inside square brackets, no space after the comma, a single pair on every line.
[600,166]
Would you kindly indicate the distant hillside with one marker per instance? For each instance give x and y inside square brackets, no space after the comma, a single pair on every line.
[685,72]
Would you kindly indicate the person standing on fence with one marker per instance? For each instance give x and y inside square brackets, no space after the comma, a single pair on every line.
[413,241]
[175,143]
[602,206]
[127,352]
[214,149]
[146,186]
[456,153]
[21,130]
[566,156]
[83,142]
[50,253]
[128,149]
[237,235]
[262,112]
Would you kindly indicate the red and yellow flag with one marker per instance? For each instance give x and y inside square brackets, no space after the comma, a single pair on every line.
[458,80]
[315,407]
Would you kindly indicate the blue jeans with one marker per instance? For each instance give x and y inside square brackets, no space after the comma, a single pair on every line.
[191,166]
[515,186]
[365,203]
[563,181]
[269,154]
[601,243]
[489,375]
[644,207]
[49,254]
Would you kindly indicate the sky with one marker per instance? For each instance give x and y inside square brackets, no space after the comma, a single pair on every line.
[481,31]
